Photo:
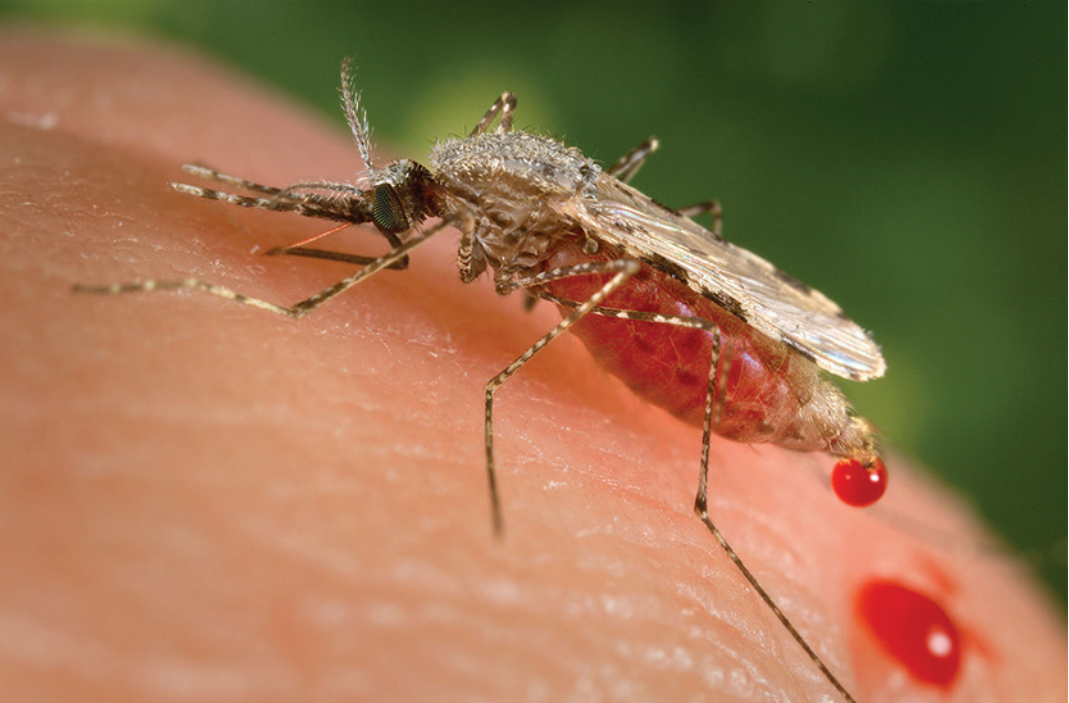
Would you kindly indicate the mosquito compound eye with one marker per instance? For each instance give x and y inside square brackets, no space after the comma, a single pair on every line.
[388,211]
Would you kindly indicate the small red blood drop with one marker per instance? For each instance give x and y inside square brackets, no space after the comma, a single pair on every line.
[858,485]
[915,630]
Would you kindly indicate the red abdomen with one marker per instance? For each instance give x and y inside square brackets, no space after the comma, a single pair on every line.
[765,391]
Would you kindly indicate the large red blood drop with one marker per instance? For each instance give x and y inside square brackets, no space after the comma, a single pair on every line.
[913,629]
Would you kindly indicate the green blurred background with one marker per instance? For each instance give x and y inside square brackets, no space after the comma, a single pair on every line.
[906,159]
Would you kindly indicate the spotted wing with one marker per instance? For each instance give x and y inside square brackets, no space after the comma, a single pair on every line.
[763,296]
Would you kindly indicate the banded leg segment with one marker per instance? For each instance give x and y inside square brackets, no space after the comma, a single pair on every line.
[699,323]
[504,106]
[296,311]
[709,207]
[713,409]
[623,270]
[702,509]
[628,165]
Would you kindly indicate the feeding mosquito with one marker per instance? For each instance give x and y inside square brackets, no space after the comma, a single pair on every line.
[632,278]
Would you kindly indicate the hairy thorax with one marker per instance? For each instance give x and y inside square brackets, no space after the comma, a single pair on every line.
[512,186]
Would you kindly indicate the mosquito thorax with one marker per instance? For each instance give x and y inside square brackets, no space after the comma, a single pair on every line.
[511,165]
[511,184]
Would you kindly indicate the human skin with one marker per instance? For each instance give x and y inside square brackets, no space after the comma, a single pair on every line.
[204,501]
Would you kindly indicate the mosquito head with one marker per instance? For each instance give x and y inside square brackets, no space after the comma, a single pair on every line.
[401,195]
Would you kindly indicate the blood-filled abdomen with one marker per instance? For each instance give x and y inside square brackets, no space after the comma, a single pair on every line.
[765,392]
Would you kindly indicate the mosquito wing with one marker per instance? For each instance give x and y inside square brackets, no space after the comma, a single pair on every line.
[746,285]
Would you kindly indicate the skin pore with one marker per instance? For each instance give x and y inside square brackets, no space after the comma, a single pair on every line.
[204,501]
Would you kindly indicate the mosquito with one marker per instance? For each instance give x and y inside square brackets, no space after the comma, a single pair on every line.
[709,331]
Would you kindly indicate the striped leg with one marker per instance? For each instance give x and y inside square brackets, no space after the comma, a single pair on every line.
[296,311]
[504,106]
[713,408]
[628,165]
[709,207]
[623,270]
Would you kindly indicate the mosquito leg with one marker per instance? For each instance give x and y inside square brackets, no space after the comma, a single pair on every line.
[629,164]
[297,311]
[718,371]
[713,408]
[588,269]
[709,207]
[504,106]
[699,323]
[701,509]
[623,269]
[466,264]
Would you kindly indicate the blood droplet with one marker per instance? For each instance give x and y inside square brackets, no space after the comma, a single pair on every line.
[915,630]
[858,485]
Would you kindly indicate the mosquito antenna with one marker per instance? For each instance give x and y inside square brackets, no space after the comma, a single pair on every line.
[356,117]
